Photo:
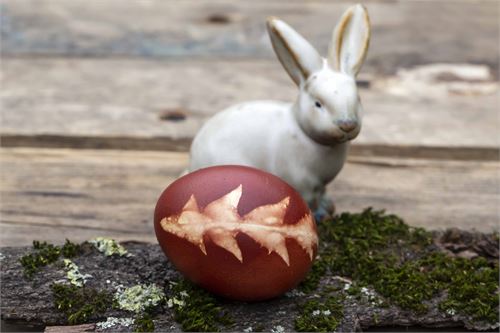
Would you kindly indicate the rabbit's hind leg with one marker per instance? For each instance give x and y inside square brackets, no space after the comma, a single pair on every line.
[325,208]
[321,205]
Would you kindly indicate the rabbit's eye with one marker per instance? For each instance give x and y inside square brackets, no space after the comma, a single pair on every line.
[317,104]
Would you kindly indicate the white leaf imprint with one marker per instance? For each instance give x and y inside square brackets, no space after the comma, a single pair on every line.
[221,223]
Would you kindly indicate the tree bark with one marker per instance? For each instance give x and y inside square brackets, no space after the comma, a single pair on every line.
[30,301]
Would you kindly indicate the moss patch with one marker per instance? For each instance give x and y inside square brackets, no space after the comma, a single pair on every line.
[313,278]
[80,305]
[144,323]
[46,254]
[319,316]
[380,250]
[472,287]
[195,309]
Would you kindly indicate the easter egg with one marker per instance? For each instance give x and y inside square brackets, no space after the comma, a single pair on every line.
[236,231]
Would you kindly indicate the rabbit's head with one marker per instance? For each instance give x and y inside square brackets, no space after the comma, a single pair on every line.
[328,108]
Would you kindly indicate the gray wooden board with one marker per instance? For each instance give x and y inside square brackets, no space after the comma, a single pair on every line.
[405,33]
[52,194]
[124,97]
[163,143]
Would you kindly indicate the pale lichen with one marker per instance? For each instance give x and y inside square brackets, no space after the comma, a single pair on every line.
[113,322]
[278,329]
[139,297]
[108,246]
[321,312]
[294,293]
[178,300]
[73,274]
[451,312]
[174,301]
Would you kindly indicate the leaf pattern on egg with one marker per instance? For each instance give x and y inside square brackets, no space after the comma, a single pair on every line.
[220,222]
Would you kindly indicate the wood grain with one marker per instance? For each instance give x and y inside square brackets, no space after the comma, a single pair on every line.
[52,194]
[429,193]
[405,33]
[126,98]
[62,193]
[165,143]
[70,329]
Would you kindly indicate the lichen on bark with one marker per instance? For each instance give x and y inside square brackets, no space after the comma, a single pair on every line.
[372,270]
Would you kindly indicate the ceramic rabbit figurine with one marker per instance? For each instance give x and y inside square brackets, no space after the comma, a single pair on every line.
[304,143]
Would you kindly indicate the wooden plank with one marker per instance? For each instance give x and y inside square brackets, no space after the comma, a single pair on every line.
[127,99]
[51,194]
[405,33]
[182,145]
[83,194]
[162,143]
[71,329]
[428,193]
[24,231]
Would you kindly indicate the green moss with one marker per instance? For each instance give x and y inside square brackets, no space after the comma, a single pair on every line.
[380,250]
[311,282]
[472,287]
[318,316]
[80,305]
[258,328]
[46,254]
[70,249]
[144,323]
[195,309]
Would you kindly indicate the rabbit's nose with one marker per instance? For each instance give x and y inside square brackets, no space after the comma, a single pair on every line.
[347,125]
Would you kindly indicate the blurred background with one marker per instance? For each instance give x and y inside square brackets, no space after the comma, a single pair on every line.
[100,100]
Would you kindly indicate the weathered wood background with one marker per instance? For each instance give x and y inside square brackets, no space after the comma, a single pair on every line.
[144,75]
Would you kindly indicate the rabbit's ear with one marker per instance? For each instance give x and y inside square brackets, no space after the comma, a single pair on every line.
[350,41]
[299,58]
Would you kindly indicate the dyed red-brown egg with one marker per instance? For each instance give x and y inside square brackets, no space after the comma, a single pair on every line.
[238,232]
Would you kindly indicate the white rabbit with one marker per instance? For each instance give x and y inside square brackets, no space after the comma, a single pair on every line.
[304,143]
